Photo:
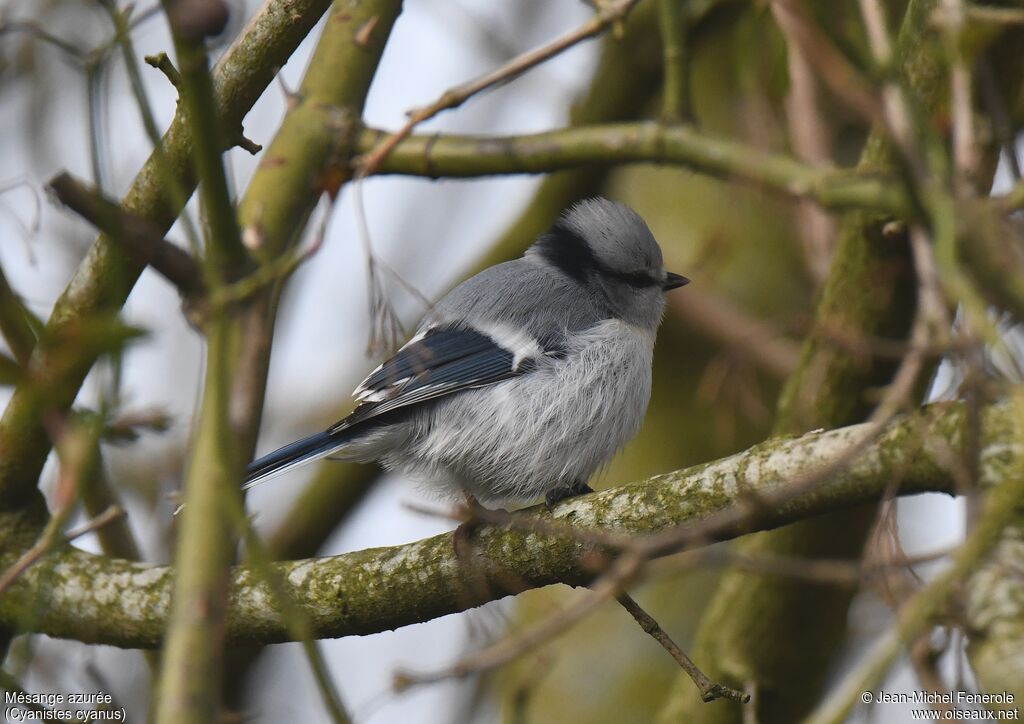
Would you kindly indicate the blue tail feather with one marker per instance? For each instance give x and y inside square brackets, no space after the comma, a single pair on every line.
[293,455]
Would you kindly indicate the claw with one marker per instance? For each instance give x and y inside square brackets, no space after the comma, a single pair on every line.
[562,492]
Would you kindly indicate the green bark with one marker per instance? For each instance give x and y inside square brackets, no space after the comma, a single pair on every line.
[106,275]
[192,659]
[318,131]
[450,156]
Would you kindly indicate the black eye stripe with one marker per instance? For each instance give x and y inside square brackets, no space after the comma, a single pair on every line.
[640,280]
[566,250]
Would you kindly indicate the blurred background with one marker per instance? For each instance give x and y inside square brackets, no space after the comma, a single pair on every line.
[727,343]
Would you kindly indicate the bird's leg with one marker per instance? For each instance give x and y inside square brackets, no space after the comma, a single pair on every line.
[461,536]
[556,495]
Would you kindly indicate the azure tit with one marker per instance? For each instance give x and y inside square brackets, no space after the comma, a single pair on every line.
[524,379]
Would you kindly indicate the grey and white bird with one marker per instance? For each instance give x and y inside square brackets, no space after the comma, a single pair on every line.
[525,379]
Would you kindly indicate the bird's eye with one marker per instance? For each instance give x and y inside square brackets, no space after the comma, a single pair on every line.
[640,280]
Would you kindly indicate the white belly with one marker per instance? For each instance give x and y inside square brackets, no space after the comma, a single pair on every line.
[554,426]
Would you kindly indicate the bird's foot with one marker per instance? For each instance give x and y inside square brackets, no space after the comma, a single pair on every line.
[461,537]
[562,492]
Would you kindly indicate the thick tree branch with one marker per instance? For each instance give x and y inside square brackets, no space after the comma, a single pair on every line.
[99,600]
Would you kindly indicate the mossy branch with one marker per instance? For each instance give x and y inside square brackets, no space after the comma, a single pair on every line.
[100,600]
[318,130]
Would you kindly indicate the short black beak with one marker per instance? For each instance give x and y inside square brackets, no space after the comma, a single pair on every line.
[674,281]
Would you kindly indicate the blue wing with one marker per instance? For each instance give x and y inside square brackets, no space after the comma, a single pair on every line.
[440,362]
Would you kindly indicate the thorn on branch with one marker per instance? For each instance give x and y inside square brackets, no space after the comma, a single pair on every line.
[246,144]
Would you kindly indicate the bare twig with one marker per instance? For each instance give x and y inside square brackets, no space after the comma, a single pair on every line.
[36,31]
[753,339]
[709,690]
[16,323]
[140,237]
[608,585]
[965,150]
[163,63]
[457,95]
[174,188]
[841,77]
[979,13]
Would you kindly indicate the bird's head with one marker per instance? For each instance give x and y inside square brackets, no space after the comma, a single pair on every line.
[607,248]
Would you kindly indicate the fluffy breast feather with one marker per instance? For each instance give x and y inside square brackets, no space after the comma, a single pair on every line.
[522,437]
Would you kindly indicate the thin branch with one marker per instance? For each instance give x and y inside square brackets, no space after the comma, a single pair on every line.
[140,237]
[756,341]
[608,585]
[709,690]
[965,150]
[174,188]
[980,14]
[810,139]
[191,24]
[453,156]
[841,77]
[454,97]
[36,31]
[16,323]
